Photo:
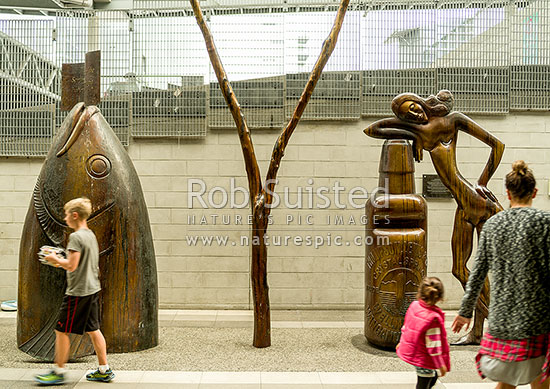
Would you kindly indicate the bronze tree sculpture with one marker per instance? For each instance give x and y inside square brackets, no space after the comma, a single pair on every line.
[261,193]
[431,126]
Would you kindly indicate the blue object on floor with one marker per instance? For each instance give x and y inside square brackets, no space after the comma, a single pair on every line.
[9,305]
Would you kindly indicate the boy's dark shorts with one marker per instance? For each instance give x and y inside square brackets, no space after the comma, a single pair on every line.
[79,314]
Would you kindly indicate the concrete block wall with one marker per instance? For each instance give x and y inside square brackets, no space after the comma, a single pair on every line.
[319,154]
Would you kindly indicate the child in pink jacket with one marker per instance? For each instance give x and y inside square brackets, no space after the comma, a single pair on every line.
[423,342]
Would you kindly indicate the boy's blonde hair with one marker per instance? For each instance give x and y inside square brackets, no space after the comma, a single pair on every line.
[81,205]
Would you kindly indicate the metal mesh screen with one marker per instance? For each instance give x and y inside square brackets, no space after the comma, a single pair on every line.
[472,50]
[156,79]
[252,51]
[83,31]
[166,107]
[381,86]
[117,111]
[171,67]
[110,32]
[71,42]
[164,4]
[239,6]
[337,93]
[28,86]
[530,56]
[397,53]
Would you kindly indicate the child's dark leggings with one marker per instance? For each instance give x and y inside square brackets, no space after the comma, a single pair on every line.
[426,382]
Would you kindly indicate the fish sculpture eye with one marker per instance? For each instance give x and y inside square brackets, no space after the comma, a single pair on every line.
[98,166]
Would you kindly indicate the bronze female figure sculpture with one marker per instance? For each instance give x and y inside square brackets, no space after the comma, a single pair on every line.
[431,126]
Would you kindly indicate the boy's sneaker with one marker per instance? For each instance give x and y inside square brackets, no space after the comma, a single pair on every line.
[99,376]
[51,378]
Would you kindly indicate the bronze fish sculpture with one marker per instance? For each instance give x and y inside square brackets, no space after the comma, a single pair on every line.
[87,159]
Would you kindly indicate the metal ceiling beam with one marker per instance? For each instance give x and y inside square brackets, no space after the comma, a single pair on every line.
[18,60]
[29,86]
[49,7]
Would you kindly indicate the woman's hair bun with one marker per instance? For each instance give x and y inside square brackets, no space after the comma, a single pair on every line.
[445,96]
[519,167]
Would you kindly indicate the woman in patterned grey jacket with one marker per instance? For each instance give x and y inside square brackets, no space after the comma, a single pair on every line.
[515,246]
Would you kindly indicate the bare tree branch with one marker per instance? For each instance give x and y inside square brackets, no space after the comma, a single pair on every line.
[259,197]
[252,169]
[282,141]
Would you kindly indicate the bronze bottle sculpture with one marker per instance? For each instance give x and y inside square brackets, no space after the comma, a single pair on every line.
[431,126]
[396,240]
[87,159]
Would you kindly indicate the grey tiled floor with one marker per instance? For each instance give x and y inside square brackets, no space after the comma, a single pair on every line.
[23,377]
[18,378]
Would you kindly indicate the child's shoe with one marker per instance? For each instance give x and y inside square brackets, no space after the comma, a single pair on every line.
[99,376]
[51,378]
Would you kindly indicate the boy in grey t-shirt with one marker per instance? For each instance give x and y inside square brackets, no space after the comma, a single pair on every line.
[84,280]
[79,310]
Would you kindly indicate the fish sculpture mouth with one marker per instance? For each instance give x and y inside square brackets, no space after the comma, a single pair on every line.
[81,116]
[53,224]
